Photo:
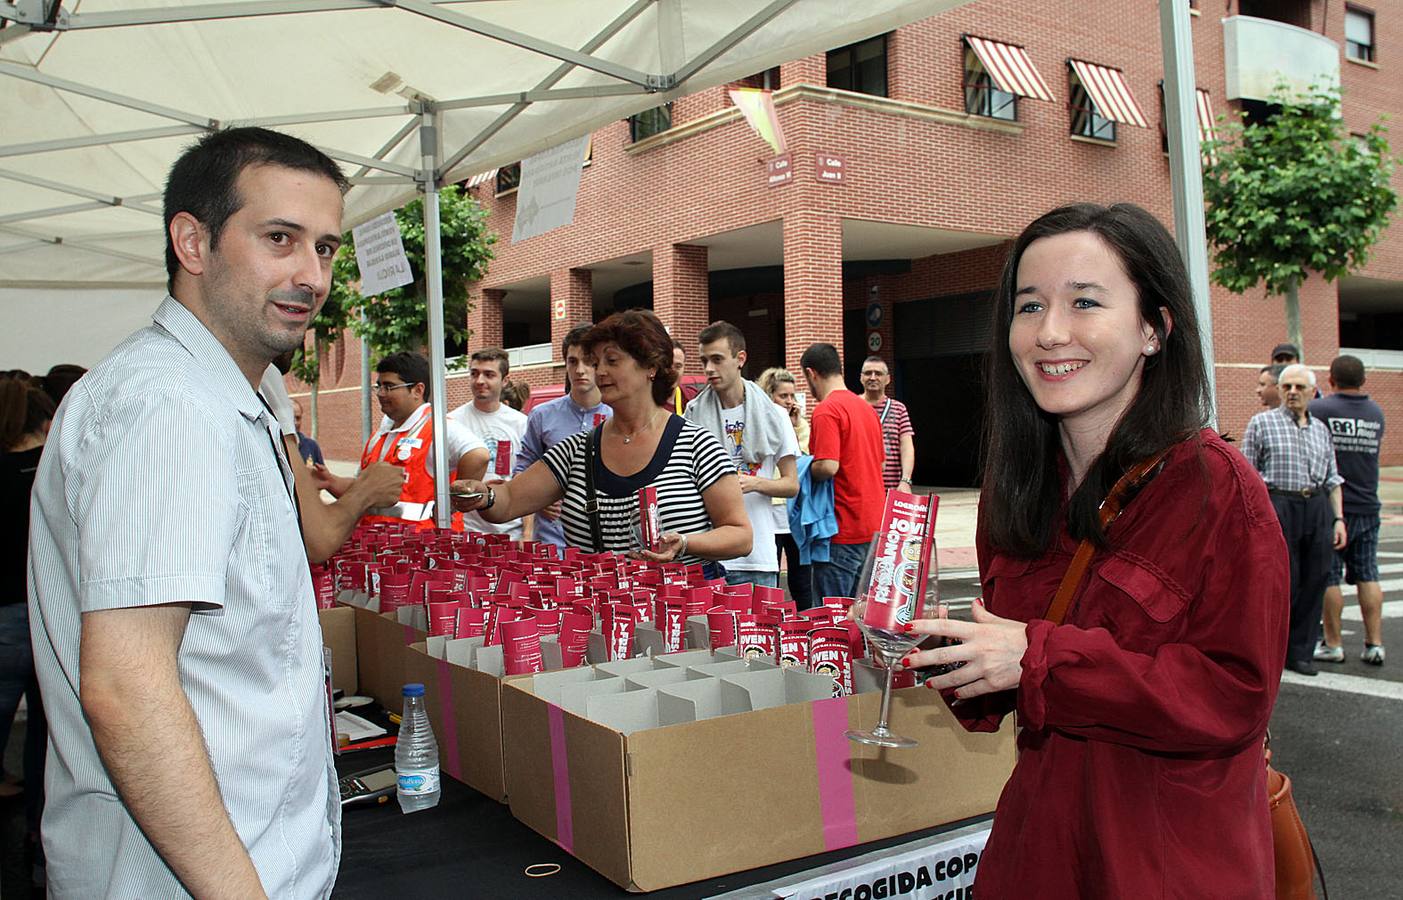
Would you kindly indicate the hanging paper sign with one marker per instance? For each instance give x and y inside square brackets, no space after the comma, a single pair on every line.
[380,256]
[550,180]
[758,107]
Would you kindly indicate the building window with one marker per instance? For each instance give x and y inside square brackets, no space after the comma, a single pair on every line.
[650,122]
[860,67]
[982,96]
[1359,34]
[1086,121]
[508,178]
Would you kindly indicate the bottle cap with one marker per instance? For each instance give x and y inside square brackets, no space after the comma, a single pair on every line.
[414,690]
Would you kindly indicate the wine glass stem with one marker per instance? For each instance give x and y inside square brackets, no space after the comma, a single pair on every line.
[886,700]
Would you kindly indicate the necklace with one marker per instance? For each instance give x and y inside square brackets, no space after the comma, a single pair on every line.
[628,438]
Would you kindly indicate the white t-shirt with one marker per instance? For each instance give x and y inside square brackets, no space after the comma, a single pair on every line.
[274,392]
[763,557]
[502,432]
[458,441]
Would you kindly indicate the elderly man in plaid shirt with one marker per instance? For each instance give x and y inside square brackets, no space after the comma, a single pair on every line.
[1293,452]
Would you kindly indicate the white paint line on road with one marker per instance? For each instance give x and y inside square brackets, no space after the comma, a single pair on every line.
[1393,609]
[1348,684]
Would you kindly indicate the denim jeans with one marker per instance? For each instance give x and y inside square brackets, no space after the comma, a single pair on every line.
[764,579]
[838,576]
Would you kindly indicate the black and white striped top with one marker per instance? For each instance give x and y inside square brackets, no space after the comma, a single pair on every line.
[687,462]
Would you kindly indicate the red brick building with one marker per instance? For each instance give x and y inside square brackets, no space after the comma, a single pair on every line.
[940,170]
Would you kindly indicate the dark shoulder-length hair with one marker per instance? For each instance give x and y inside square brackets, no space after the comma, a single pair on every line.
[640,334]
[1022,485]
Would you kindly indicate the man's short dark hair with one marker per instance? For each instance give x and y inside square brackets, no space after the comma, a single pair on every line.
[204,181]
[723,329]
[412,367]
[574,338]
[823,359]
[876,359]
[677,345]
[1347,372]
[493,354]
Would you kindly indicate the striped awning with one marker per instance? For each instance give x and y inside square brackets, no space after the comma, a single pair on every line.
[482,178]
[1010,68]
[1206,130]
[1109,93]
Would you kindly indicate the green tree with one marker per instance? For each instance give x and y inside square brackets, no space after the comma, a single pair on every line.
[1293,195]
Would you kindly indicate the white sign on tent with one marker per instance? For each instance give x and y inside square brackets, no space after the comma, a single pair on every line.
[380,255]
[550,181]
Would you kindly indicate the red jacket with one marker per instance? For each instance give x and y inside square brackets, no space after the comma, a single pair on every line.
[1140,770]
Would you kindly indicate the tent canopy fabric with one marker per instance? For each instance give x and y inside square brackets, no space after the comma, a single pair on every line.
[99,98]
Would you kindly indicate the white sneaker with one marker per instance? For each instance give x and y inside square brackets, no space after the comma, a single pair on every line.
[1373,654]
[1325,653]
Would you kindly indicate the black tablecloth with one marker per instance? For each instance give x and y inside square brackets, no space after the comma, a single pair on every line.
[470,846]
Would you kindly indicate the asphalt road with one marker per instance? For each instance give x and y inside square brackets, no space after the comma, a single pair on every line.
[1337,737]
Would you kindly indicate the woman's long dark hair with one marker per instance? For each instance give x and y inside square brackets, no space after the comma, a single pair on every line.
[1022,486]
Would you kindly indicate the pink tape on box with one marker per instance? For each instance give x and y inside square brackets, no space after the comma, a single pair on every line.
[835,779]
[560,769]
[449,758]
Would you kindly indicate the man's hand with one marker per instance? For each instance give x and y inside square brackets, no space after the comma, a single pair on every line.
[749,483]
[1340,538]
[382,483]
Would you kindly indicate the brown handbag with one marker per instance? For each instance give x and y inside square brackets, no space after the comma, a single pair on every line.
[1296,860]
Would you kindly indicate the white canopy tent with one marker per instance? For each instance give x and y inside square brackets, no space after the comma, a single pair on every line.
[98,98]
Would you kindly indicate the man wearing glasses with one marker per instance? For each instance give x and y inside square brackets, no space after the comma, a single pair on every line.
[898,437]
[405,439]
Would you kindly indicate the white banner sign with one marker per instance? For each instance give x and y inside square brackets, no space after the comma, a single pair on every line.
[380,255]
[942,871]
[549,182]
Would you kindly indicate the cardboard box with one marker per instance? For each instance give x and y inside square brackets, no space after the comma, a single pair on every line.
[464,707]
[662,806]
[339,634]
[380,653]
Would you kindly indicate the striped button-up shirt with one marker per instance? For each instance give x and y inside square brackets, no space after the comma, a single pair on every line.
[1290,456]
[160,483]
[547,425]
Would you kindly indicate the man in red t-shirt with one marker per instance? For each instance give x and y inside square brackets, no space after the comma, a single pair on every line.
[846,442]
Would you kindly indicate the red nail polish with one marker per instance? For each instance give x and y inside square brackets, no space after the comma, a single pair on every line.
[907,662]
[906,627]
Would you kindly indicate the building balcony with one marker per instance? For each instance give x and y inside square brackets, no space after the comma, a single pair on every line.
[1260,53]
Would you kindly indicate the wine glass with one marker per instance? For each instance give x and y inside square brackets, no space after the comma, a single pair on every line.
[881,624]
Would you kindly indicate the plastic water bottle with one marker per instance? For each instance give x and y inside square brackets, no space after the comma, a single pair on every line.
[416,755]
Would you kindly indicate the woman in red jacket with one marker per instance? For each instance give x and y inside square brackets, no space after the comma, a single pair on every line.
[1142,714]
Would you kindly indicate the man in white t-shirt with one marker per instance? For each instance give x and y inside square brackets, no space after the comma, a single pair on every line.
[405,439]
[760,439]
[497,425]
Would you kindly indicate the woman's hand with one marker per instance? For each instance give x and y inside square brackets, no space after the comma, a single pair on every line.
[467,486]
[669,547]
[990,647]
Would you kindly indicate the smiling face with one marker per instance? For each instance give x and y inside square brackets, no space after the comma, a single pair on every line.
[486,378]
[619,375]
[1077,337]
[270,270]
[875,377]
[398,400]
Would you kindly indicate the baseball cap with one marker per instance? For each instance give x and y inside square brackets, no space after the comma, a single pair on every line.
[1284,349]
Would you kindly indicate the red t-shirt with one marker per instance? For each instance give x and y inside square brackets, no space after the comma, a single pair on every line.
[843,428]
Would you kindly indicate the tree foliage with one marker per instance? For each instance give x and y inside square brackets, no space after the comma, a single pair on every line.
[1296,194]
[398,319]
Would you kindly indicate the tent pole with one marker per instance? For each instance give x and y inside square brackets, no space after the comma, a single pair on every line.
[1186,173]
[364,385]
[429,145]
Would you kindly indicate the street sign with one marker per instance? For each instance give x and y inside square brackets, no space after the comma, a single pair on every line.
[829,168]
[779,170]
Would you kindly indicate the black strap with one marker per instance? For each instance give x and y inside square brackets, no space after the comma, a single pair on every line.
[591,495]
[886,408]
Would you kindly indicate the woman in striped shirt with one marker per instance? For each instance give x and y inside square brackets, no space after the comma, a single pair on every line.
[700,511]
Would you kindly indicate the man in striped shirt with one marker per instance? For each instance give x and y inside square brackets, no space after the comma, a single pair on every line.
[174,625]
[898,437]
[1295,456]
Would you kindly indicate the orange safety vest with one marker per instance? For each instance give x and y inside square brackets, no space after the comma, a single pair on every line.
[409,450]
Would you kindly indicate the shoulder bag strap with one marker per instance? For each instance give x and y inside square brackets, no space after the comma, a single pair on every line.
[886,408]
[591,496]
[1109,510]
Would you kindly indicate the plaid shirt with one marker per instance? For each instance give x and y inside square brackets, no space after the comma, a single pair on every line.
[1289,456]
